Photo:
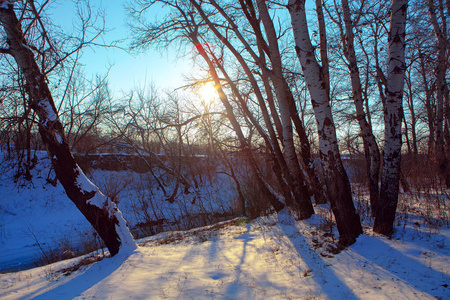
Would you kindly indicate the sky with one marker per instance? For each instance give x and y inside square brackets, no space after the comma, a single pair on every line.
[166,68]
[128,69]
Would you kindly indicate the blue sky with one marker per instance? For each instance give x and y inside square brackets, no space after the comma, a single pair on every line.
[128,70]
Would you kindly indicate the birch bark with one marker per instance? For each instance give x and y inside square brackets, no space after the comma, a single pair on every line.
[282,92]
[99,210]
[336,180]
[393,114]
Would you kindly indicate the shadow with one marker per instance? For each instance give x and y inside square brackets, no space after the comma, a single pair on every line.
[77,284]
[232,290]
[331,285]
[401,265]
[245,279]
[437,241]
[420,219]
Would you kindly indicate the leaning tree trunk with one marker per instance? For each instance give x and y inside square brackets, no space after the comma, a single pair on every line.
[336,180]
[278,162]
[393,113]
[372,152]
[282,91]
[262,185]
[289,163]
[99,210]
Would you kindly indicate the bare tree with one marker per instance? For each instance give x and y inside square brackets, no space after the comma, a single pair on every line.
[288,114]
[257,86]
[100,211]
[279,165]
[440,30]
[265,190]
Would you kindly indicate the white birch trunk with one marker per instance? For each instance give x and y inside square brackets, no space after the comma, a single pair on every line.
[393,114]
[336,180]
[281,89]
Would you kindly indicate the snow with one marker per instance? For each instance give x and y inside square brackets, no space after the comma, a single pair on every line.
[269,258]
[5,5]
[86,185]
[51,115]
[272,257]
[58,138]
[34,217]
[128,245]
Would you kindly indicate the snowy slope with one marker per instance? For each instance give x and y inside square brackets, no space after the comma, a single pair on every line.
[272,257]
[36,217]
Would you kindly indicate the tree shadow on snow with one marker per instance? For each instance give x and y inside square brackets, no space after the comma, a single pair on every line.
[233,289]
[404,266]
[331,285]
[436,239]
[82,282]
[246,284]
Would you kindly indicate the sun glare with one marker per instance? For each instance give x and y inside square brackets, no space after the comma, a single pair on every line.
[208,92]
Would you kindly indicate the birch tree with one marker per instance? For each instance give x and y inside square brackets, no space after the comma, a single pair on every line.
[393,114]
[298,171]
[285,100]
[100,211]
[336,180]
[279,165]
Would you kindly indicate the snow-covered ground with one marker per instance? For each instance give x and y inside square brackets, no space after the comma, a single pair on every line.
[269,258]
[273,257]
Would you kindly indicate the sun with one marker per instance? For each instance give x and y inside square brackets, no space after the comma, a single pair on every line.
[208,92]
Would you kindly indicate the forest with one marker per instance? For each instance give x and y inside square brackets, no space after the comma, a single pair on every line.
[336,112]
